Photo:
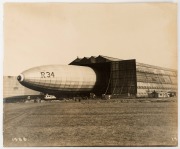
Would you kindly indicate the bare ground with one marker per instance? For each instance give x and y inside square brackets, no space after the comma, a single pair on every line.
[121,122]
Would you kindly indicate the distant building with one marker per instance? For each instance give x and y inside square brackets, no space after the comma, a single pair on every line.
[12,88]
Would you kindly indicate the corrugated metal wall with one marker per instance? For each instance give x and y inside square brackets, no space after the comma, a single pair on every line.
[153,78]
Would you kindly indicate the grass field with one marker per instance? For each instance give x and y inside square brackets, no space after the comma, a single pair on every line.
[91,123]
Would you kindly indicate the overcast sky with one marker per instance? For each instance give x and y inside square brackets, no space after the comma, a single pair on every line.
[54,33]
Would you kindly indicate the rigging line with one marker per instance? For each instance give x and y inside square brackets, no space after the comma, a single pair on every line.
[123,82]
[108,82]
[131,82]
[115,86]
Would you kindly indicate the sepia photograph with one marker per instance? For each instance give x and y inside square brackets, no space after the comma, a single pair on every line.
[90,74]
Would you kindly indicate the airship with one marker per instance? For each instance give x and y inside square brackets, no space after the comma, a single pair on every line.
[59,79]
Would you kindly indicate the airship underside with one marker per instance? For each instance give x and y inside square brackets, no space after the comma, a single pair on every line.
[59,79]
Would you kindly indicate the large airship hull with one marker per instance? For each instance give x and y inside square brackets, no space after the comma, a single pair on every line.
[59,79]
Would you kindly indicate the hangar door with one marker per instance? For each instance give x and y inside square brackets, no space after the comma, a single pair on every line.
[123,78]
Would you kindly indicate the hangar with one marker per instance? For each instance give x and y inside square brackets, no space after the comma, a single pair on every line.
[122,78]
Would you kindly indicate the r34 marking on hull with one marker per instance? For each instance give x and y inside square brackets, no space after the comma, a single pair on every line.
[47,74]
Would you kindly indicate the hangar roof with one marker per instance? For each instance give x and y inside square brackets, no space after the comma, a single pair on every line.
[103,59]
[152,66]
[94,59]
[110,58]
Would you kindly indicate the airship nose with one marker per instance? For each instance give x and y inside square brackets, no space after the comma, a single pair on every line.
[20,78]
